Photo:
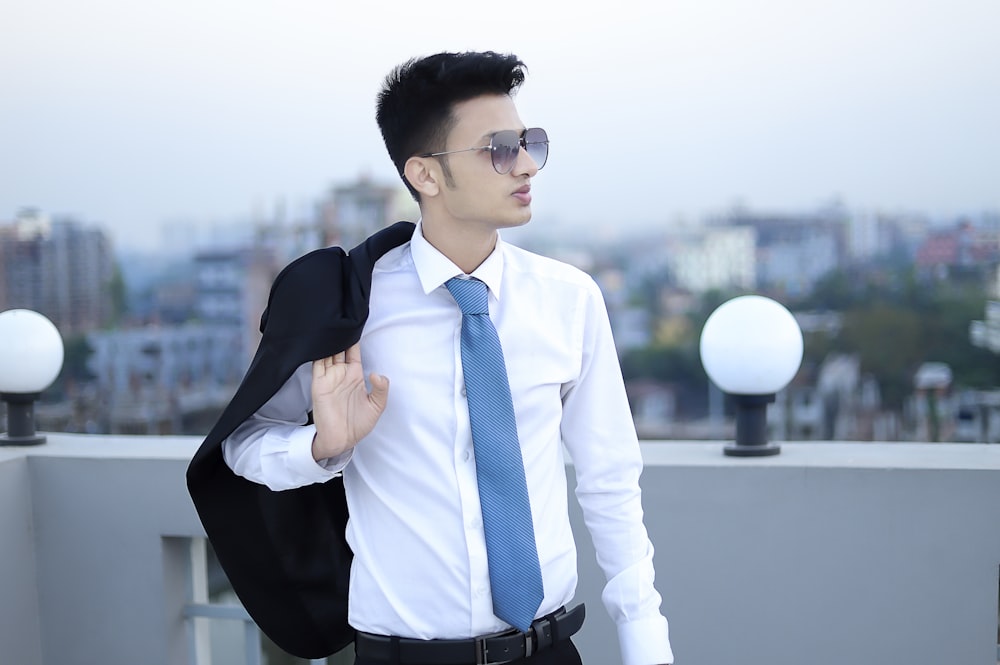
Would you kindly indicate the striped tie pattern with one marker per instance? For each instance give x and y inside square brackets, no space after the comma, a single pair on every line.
[515,574]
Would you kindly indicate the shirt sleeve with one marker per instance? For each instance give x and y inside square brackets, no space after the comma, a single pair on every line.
[599,434]
[273,447]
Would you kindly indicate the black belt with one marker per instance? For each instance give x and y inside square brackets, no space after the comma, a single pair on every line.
[499,648]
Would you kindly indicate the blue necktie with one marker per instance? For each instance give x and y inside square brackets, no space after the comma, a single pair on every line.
[515,575]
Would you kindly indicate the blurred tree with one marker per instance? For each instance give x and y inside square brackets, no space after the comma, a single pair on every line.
[892,316]
[897,319]
[675,358]
[677,366]
[76,353]
[887,338]
[119,296]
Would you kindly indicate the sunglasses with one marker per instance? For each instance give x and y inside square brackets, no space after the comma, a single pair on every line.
[505,145]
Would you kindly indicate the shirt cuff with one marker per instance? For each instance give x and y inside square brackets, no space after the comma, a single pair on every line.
[301,462]
[645,641]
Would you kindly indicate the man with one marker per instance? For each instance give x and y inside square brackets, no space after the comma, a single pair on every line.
[426,575]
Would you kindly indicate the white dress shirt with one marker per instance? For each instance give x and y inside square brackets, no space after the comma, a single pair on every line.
[420,567]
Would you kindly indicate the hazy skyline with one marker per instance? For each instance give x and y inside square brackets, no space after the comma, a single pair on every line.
[131,115]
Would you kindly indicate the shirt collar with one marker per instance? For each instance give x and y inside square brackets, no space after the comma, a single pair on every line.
[434,268]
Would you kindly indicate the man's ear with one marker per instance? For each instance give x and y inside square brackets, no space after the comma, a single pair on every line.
[424,175]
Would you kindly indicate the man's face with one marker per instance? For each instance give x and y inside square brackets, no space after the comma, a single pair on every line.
[475,192]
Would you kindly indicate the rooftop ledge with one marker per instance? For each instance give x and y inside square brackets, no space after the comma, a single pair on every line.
[831,552]
[833,454]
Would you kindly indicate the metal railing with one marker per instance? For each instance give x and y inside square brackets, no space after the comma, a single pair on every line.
[198,611]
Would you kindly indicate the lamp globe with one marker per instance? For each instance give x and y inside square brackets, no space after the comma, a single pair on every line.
[31,357]
[751,345]
[751,348]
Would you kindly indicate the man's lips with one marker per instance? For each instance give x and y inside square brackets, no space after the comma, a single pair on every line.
[523,194]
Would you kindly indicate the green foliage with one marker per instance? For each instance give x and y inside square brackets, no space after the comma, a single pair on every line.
[119,296]
[894,321]
[891,317]
[678,366]
[708,303]
[666,364]
[888,340]
[76,353]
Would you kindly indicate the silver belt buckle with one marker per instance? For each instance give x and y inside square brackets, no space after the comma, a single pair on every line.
[529,641]
[482,652]
[481,655]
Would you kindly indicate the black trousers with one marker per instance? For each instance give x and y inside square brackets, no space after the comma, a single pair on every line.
[562,652]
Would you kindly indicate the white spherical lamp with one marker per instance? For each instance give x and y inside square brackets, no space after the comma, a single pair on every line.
[751,347]
[31,357]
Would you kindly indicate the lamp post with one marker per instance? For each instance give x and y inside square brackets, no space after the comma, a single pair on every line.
[751,347]
[31,356]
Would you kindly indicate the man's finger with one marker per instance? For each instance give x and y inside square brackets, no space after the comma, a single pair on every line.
[339,358]
[354,354]
[380,391]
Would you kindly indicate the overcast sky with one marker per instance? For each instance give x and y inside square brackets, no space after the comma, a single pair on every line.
[134,114]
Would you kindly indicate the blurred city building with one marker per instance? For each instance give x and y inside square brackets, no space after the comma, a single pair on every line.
[351,212]
[163,380]
[60,268]
[232,290]
[192,324]
[195,328]
[714,258]
[840,402]
[793,253]
[932,406]
[962,250]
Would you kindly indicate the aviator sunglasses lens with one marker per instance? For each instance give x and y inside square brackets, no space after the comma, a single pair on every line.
[536,142]
[505,145]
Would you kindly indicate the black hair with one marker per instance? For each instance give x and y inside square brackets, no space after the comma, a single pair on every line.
[414,107]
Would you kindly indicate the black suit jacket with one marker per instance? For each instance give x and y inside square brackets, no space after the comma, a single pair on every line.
[285,553]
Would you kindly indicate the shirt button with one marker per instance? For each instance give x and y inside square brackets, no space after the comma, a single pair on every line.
[481,591]
[474,523]
[464,393]
[466,455]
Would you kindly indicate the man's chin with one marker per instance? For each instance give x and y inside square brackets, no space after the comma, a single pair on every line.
[519,220]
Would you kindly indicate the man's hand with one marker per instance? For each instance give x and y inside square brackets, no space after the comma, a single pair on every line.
[343,409]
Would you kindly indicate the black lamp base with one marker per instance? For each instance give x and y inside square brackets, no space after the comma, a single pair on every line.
[21,440]
[766,450]
[20,420]
[751,427]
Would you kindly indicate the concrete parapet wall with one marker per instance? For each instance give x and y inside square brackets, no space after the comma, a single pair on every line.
[829,553]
